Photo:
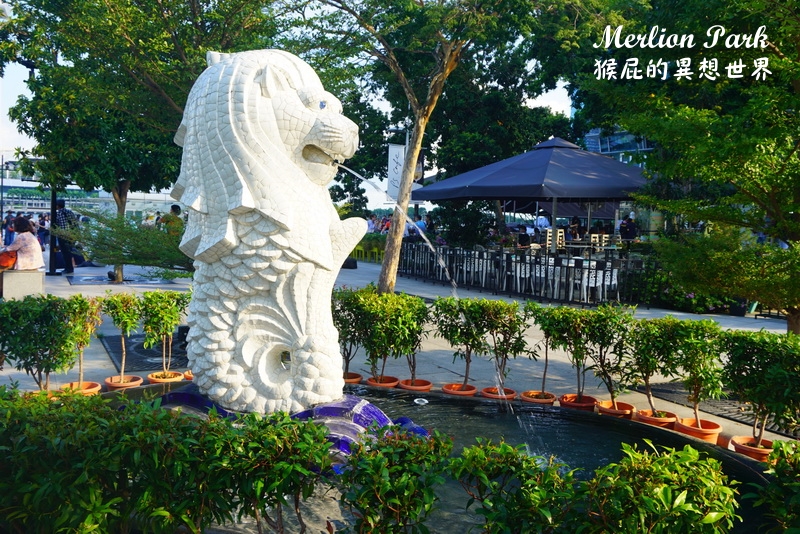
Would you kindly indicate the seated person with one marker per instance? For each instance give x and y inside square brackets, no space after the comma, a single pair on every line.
[29,252]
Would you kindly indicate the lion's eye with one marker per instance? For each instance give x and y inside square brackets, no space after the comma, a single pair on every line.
[323,104]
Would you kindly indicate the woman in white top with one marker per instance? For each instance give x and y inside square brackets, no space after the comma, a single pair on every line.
[29,252]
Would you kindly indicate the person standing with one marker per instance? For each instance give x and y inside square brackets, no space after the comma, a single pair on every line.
[65,220]
[8,228]
[172,221]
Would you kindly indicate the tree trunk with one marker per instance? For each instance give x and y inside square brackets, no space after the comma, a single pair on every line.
[793,321]
[394,240]
[120,194]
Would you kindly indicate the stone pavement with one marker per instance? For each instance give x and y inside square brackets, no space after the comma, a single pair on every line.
[435,361]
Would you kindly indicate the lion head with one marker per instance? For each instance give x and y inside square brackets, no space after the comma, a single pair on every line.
[259,131]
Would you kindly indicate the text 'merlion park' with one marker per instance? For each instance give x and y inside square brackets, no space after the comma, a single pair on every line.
[707,67]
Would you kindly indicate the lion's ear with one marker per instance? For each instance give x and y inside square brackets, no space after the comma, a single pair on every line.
[212,58]
[272,81]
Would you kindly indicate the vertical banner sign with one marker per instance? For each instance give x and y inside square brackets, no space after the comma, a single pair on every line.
[397,156]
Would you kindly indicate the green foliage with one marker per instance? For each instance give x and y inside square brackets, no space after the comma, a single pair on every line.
[464,224]
[276,462]
[396,326]
[563,328]
[515,492]
[763,370]
[698,349]
[651,350]
[83,318]
[463,324]
[734,264]
[666,492]
[349,321]
[115,240]
[726,148]
[781,494]
[390,481]
[125,310]
[606,329]
[104,110]
[38,336]
[80,464]
[162,312]
[506,324]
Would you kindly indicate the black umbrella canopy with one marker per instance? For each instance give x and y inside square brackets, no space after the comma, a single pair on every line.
[554,169]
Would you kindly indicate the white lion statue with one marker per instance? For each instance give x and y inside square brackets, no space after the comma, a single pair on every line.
[260,139]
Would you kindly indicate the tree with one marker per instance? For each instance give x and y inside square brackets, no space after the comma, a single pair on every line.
[418,45]
[104,109]
[727,147]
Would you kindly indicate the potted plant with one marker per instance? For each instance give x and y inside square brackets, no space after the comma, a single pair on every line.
[650,352]
[83,317]
[125,311]
[605,329]
[162,311]
[567,333]
[461,322]
[36,336]
[541,317]
[396,327]
[351,325]
[758,370]
[505,332]
[697,345]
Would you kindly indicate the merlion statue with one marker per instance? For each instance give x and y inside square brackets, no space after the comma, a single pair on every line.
[260,139]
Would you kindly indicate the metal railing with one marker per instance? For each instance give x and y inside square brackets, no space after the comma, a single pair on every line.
[607,275]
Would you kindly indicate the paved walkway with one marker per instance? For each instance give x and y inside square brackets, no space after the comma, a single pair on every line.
[435,362]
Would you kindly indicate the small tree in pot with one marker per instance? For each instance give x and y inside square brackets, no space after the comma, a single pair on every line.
[505,331]
[605,329]
[36,336]
[396,328]
[761,369]
[349,321]
[565,329]
[162,312]
[83,316]
[463,324]
[651,351]
[125,311]
[697,344]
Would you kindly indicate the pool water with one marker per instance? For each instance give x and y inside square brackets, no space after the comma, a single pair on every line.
[578,439]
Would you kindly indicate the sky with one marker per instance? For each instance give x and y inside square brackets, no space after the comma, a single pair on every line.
[13,84]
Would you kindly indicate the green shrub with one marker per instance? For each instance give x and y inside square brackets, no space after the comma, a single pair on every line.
[782,493]
[390,481]
[659,492]
[514,492]
[37,336]
[462,323]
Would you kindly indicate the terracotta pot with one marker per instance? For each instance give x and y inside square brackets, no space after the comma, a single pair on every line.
[746,445]
[161,377]
[623,409]
[188,375]
[460,390]
[418,385]
[352,378]
[646,417]
[538,397]
[131,381]
[85,387]
[494,393]
[383,381]
[709,432]
[570,400]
